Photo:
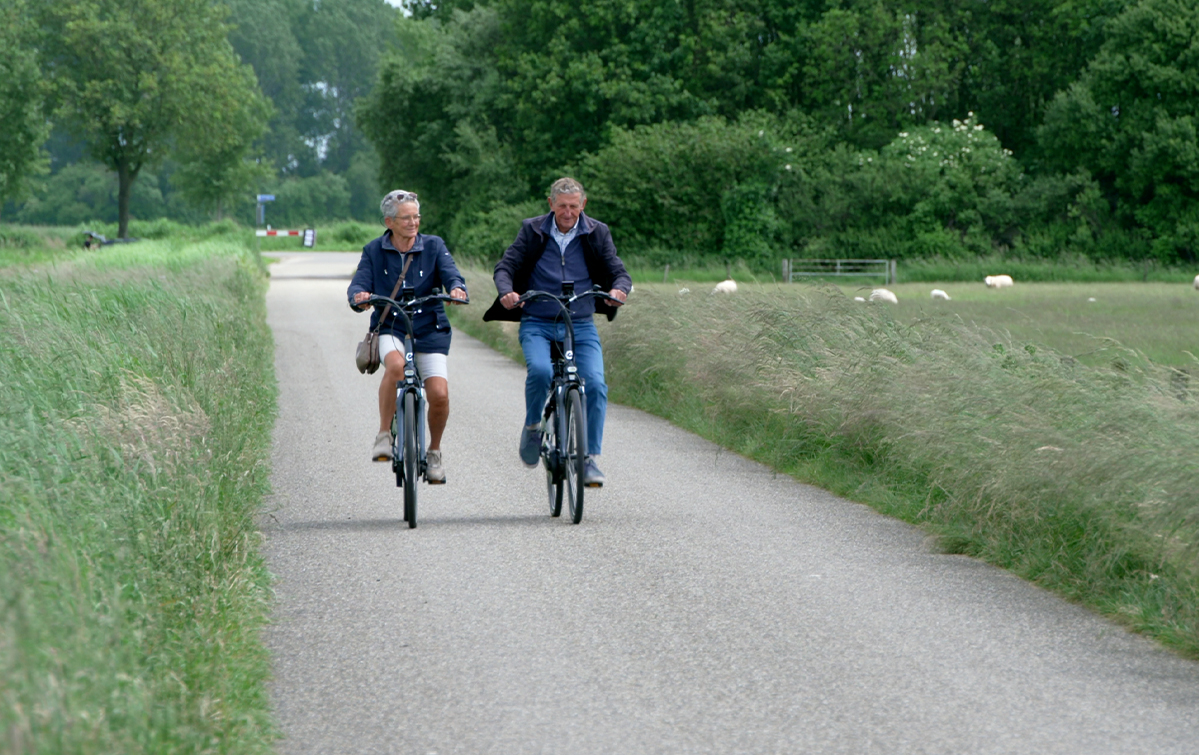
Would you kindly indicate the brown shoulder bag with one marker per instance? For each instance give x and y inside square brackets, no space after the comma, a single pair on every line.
[367,354]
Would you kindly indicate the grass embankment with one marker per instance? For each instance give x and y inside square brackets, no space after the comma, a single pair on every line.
[1077,478]
[136,407]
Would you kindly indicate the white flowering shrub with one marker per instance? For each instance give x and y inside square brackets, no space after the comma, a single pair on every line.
[957,180]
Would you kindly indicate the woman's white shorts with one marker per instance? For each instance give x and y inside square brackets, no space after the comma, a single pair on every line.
[429,365]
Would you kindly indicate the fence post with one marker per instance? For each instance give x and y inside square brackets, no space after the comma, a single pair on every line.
[666,274]
[892,270]
[786,271]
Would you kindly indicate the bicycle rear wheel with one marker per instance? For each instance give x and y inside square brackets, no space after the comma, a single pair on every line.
[575,457]
[551,460]
[411,462]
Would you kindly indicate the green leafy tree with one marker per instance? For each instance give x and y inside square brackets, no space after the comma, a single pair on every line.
[262,33]
[1132,119]
[216,156]
[873,68]
[25,128]
[430,118]
[129,77]
[1022,53]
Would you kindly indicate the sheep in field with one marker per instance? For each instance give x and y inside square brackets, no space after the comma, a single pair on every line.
[858,298]
[726,287]
[882,294]
[1197,282]
[939,294]
[998,281]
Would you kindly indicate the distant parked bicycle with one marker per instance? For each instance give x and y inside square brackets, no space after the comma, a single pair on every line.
[408,425]
[564,419]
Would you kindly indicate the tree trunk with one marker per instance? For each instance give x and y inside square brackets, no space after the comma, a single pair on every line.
[125,183]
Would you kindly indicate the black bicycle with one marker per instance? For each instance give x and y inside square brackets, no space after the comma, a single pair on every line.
[564,418]
[408,425]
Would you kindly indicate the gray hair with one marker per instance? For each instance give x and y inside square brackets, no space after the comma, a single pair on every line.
[390,206]
[566,185]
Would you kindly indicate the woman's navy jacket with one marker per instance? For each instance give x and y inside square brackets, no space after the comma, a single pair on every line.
[433,268]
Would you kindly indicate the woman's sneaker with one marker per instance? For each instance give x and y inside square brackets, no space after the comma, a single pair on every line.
[434,472]
[382,449]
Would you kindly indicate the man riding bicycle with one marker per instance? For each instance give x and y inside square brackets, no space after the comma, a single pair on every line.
[562,245]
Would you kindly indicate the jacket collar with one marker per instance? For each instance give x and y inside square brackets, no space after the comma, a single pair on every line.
[541,224]
[417,246]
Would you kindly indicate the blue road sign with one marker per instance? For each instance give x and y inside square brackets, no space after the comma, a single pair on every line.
[266,197]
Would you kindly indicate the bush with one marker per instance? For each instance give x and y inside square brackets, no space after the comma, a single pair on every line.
[482,237]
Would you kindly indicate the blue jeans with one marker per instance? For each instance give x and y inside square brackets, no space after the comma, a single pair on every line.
[535,336]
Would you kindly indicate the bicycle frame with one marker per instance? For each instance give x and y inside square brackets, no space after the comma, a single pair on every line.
[411,382]
[566,372]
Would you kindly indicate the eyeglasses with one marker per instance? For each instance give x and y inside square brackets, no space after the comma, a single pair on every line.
[409,218]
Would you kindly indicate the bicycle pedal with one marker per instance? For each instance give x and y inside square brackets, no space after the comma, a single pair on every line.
[381,458]
[435,482]
[593,484]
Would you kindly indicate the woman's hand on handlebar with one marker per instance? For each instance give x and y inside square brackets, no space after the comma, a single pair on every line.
[459,294]
[617,297]
[361,298]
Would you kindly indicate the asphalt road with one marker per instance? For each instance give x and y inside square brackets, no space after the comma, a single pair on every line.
[704,605]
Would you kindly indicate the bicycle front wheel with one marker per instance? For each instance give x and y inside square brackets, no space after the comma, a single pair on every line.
[411,462]
[551,460]
[575,457]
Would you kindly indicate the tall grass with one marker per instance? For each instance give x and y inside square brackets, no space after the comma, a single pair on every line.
[135,413]
[1080,479]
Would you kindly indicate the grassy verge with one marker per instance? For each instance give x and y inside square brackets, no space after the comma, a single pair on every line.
[1077,478]
[135,414]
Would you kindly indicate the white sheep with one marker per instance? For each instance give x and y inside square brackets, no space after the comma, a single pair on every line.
[882,294]
[858,298]
[1197,282]
[684,290]
[939,294]
[726,287]
[998,281]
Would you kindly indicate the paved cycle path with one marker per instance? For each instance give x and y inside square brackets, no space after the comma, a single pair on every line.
[704,605]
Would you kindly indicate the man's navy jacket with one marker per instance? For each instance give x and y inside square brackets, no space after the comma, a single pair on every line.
[514,269]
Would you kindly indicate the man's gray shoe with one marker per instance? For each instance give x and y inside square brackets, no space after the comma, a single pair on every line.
[434,472]
[382,449]
[530,445]
[592,476]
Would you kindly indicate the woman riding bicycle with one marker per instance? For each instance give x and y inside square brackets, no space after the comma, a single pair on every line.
[425,264]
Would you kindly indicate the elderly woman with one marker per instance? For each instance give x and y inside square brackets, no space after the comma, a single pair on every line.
[425,264]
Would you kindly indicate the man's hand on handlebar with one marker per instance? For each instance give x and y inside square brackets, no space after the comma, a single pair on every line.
[510,300]
[360,299]
[459,293]
[618,297]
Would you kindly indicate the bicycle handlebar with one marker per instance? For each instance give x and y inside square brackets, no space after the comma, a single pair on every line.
[566,301]
[376,300]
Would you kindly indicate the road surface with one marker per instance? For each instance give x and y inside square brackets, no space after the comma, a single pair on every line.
[704,605]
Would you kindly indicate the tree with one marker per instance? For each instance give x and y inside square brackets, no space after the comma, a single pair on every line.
[130,76]
[263,36]
[25,128]
[1132,120]
[214,155]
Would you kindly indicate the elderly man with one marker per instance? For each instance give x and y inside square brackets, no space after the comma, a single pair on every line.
[562,245]
[423,263]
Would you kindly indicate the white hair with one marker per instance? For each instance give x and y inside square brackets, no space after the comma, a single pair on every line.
[566,185]
[390,206]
